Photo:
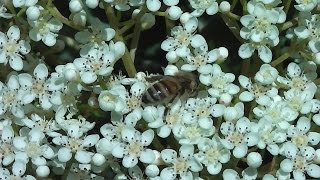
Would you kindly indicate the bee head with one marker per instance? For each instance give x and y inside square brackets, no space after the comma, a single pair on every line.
[194,85]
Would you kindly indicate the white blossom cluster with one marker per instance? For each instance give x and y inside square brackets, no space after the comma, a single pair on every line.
[230,118]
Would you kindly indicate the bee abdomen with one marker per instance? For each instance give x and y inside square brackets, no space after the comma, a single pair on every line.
[159,91]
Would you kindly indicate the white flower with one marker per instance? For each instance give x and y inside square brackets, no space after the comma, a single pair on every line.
[131,103]
[257,91]
[260,24]
[277,111]
[306,6]
[95,63]
[265,54]
[300,135]
[11,96]
[110,100]
[111,136]
[299,162]
[234,113]
[181,166]
[266,74]
[67,99]
[182,37]
[68,122]
[45,28]
[32,147]
[82,171]
[219,82]
[296,79]
[12,49]
[208,6]
[212,154]
[309,28]
[18,169]
[300,101]
[36,86]
[164,122]
[269,136]
[75,143]
[199,110]
[68,71]
[46,126]
[94,37]
[189,134]
[238,137]
[6,147]
[201,59]
[133,147]
[248,173]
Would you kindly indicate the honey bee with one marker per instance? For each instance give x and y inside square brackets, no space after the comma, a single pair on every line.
[166,88]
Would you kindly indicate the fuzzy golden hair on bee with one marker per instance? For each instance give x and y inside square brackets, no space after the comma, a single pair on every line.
[165,87]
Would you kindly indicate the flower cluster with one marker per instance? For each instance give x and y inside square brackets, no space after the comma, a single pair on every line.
[68,112]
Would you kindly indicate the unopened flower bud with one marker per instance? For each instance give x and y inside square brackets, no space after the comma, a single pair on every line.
[43,171]
[224,6]
[33,13]
[92,3]
[185,17]
[152,170]
[75,6]
[174,12]
[254,159]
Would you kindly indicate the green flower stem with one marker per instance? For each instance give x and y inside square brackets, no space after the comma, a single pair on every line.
[233,4]
[245,67]
[287,4]
[233,16]
[160,14]
[305,54]
[280,59]
[127,37]
[114,22]
[10,7]
[21,12]
[135,40]
[126,58]
[244,5]
[67,169]
[230,20]
[126,27]
[55,13]
[289,24]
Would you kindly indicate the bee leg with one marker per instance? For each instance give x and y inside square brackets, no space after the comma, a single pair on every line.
[172,101]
